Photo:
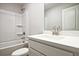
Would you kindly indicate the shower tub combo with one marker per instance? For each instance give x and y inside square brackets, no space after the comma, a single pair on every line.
[6,48]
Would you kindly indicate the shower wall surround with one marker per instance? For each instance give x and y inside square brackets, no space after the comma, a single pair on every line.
[8,22]
[30,21]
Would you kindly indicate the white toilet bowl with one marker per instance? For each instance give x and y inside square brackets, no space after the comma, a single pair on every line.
[21,52]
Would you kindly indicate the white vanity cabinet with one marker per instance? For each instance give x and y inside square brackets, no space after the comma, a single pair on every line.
[41,49]
[33,52]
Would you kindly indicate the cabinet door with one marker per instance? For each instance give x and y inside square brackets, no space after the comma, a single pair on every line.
[68,19]
[48,50]
[34,53]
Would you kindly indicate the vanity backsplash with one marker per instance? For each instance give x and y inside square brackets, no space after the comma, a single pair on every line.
[67,33]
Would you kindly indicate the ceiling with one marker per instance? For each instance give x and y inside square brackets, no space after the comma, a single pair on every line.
[14,7]
[51,5]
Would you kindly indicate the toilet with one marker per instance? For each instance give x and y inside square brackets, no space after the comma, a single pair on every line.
[20,52]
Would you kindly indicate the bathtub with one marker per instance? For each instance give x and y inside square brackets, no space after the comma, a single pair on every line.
[6,48]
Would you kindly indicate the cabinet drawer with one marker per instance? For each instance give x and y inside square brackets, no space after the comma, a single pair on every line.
[48,50]
[34,52]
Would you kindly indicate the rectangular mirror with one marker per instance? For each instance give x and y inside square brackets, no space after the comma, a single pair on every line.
[65,15]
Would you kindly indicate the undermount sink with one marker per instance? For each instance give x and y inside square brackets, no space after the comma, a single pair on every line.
[54,37]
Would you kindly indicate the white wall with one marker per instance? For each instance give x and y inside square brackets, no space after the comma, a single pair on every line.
[35,14]
[53,16]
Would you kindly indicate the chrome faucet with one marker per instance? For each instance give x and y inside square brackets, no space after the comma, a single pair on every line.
[56,30]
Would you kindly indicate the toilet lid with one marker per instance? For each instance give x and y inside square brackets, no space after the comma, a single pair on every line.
[20,51]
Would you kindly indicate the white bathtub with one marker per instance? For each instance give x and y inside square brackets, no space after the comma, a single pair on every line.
[6,48]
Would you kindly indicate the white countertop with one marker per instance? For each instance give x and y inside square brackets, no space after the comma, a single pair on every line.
[69,41]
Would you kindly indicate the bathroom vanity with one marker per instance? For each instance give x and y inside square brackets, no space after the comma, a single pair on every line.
[53,45]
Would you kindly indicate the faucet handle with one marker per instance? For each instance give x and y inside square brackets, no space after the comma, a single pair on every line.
[59,28]
[54,28]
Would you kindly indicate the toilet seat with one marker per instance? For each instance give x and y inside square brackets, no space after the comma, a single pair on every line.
[20,52]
